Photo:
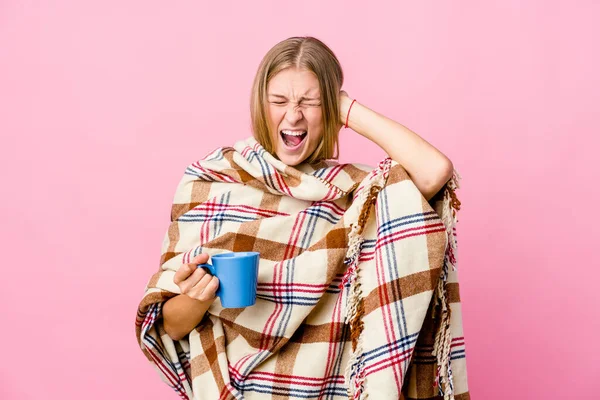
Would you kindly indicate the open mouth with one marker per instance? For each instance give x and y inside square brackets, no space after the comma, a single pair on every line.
[293,139]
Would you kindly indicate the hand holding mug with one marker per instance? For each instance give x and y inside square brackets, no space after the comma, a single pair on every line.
[196,282]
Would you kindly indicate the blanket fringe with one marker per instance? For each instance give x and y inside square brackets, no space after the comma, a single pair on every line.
[354,373]
[447,209]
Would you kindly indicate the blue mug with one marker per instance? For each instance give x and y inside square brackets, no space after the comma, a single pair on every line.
[238,277]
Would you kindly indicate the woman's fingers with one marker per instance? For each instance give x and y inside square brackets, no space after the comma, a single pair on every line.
[188,269]
[186,285]
[200,259]
[205,289]
[183,273]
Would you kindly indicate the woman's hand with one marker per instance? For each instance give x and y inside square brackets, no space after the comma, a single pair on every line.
[196,282]
[184,312]
[345,102]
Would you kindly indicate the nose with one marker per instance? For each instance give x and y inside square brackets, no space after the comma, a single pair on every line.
[293,113]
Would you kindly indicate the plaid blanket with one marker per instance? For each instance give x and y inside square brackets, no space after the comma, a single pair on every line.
[357,295]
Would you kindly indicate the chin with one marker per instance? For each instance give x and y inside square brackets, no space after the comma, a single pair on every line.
[290,160]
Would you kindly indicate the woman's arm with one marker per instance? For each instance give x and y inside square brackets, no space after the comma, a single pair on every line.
[181,314]
[428,168]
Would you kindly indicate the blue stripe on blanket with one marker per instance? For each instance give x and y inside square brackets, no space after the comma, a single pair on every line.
[409,219]
[298,393]
[225,217]
[391,260]
[153,346]
[403,343]
[267,170]
[200,175]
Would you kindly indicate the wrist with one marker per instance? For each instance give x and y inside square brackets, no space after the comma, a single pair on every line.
[347,108]
[345,103]
[355,114]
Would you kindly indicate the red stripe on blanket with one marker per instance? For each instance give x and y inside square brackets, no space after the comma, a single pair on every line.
[422,230]
[287,287]
[168,374]
[388,320]
[224,178]
[330,176]
[284,187]
[333,333]
[277,276]
[286,379]
[238,207]
[393,360]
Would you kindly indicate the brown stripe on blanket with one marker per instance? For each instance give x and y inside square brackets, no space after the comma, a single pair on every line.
[292,177]
[177,210]
[304,334]
[453,292]
[200,192]
[334,242]
[166,257]
[284,366]
[212,348]
[240,174]
[245,240]
[356,174]
[335,263]
[154,279]
[436,242]
[319,333]
[276,251]
[237,172]
[270,201]
[336,238]
[423,380]
[423,367]
[319,164]
[230,314]
[200,363]
[173,235]
[252,337]
[406,286]
[268,249]
[397,174]
[420,376]
[462,396]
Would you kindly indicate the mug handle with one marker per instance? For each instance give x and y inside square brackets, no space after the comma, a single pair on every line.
[211,269]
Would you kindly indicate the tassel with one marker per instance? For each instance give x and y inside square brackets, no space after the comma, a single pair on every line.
[447,209]
[354,373]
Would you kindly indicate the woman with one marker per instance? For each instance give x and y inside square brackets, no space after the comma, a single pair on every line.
[298,109]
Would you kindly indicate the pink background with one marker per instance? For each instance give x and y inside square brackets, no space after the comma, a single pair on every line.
[103,104]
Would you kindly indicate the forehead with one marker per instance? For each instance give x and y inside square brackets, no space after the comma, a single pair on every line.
[294,82]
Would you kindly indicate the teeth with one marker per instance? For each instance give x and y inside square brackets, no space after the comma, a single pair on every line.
[293,133]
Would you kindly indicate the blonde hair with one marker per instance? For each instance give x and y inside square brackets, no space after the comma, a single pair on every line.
[307,53]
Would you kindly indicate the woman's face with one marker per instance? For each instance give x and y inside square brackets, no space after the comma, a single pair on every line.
[295,117]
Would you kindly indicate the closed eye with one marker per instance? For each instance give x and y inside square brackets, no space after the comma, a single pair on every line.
[302,104]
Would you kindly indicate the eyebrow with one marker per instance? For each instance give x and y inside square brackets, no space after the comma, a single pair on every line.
[301,98]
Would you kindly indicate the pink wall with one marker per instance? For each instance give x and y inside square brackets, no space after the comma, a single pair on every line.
[103,105]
